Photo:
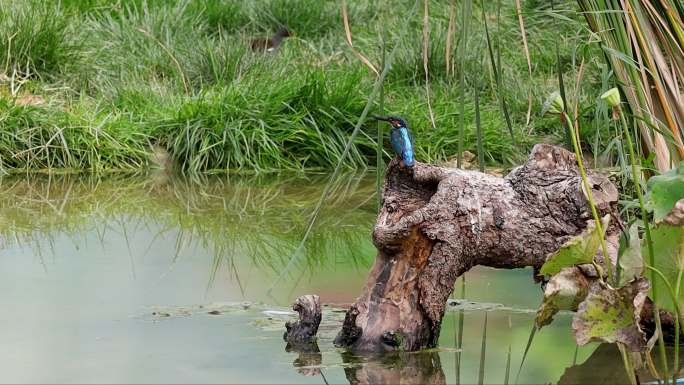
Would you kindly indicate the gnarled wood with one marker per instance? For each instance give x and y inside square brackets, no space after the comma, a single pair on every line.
[437,223]
[301,335]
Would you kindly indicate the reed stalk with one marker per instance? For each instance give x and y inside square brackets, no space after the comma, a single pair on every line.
[465,23]
[642,42]
[635,168]
[369,103]
[496,68]
[590,196]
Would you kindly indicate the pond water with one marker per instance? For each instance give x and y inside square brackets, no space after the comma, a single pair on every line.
[159,278]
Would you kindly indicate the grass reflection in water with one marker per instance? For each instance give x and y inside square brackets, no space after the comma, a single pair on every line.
[259,218]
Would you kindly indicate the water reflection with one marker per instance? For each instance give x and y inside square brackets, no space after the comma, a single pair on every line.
[394,368]
[309,358]
[492,341]
[244,221]
[388,368]
[599,368]
[86,261]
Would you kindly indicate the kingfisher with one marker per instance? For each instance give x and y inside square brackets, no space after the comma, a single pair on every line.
[401,138]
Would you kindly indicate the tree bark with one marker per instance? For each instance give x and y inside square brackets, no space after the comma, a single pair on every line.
[300,335]
[437,223]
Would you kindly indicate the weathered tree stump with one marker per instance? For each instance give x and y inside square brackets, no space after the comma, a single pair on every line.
[437,223]
[301,335]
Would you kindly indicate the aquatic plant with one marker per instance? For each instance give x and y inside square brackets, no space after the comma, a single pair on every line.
[611,314]
[643,42]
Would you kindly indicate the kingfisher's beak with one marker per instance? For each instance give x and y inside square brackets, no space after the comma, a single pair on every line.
[383,118]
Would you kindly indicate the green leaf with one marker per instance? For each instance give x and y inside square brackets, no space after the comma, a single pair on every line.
[664,191]
[610,315]
[668,249]
[631,260]
[577,251]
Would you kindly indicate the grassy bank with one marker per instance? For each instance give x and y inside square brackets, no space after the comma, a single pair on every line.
[100,84]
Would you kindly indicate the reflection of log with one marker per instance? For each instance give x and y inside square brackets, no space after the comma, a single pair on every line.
[309,360]
[437,223]
[303,332]
[604,366]
[394,368]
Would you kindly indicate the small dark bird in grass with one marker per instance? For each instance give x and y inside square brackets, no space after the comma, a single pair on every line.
[401,139]
[270,44]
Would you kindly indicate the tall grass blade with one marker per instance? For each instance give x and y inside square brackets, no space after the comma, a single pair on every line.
[166,49]
[526,49]
[678,322]
[627,361]
[578,82]
[497,78]
[561,86]
[426,43]
[478,128]
[636,176]
[347,33]
[459,334]
[325,380]
[483,350]
[465,22]
[527,349]
[345,152]
[380,164]
[451,30]
[508,365]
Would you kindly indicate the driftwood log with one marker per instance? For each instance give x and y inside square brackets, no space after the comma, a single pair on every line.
[437,223]
[300,335]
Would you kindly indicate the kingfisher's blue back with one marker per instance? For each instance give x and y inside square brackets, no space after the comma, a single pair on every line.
[402,145]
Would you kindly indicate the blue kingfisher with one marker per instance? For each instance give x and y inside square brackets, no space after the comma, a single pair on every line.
[402,141]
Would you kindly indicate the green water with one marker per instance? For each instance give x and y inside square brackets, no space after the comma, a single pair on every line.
[113,278]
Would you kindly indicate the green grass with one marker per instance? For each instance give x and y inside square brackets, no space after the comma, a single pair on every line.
[35,40]
[114,78]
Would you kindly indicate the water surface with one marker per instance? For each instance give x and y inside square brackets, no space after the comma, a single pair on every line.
[159,278]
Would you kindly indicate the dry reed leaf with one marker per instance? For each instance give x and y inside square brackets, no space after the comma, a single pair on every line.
[166,49]
[451,30]
[426,41]
[345,19]
[667,68]
[518,9]
[347,31]
[653,139]
[578,82]
[642,42]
